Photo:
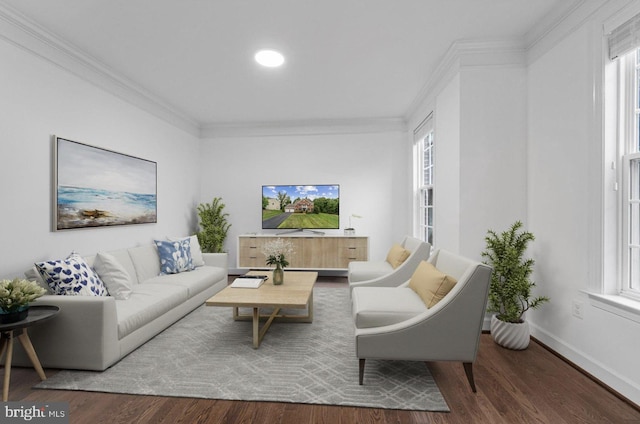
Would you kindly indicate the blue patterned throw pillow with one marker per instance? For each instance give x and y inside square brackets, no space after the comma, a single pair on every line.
[175,256]
[71,276]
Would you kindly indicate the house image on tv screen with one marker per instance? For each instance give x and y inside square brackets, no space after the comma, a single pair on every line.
[272,204]
[300,206]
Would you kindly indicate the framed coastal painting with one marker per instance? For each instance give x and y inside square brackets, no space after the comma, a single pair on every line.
[95,187]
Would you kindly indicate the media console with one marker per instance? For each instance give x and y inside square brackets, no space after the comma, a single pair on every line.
[331,252]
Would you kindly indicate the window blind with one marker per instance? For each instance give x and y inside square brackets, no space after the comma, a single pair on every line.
[423,128]
[624,38]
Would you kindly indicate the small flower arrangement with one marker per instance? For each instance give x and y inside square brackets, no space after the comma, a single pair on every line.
[276,252]
[16,294]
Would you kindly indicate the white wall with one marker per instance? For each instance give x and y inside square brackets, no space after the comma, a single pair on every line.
[561,209]
[480,155]
[447,168]
[37,100]
[370,169]
[493,156]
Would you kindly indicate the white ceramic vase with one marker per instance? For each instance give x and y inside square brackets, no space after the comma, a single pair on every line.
[510,335]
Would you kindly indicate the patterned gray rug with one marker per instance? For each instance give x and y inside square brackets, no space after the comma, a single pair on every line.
[208,355]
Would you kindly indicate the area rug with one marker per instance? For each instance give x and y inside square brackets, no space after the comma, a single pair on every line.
[209,355]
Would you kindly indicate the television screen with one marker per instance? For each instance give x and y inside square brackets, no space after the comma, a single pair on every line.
[300,207]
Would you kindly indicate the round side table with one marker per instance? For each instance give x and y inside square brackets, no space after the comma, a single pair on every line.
[37,315]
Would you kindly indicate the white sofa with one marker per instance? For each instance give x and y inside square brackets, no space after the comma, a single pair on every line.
[95,332]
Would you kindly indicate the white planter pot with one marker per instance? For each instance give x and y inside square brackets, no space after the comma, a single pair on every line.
[510,335]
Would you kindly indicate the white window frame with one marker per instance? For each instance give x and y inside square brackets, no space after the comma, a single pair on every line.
[629,162]
[608,291]
[425,165]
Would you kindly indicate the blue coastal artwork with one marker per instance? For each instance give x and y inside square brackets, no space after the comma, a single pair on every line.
[97,187]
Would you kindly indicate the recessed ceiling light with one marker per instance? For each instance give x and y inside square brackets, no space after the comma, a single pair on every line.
[269,58]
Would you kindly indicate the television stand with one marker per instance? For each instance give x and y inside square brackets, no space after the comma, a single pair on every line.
[310,252]
[301,230]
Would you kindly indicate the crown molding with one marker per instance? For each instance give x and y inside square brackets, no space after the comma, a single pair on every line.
[467,53]
[22,32]
[303,127]
[558,24]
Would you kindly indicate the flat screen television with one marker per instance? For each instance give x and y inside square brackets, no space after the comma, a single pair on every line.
[301,207]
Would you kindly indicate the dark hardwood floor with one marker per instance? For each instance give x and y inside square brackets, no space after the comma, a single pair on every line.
[530,386]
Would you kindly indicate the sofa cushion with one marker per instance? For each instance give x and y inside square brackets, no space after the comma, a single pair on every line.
[146,261]
[368,270]
[71,276]
[195,281]
[124,258]
[380,306]
[146,303]
[175,256]
[196,250]
[115,277]
[397,255]
[430,283]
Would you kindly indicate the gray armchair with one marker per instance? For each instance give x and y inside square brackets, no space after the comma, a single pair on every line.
[394,323]
[381,274]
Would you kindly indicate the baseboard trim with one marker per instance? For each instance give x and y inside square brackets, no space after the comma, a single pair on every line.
[486,328]
[588,375]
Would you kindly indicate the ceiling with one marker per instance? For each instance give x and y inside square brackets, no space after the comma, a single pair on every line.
[345,59]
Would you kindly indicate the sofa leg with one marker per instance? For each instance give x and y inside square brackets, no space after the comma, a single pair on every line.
[468,369]
[361,371]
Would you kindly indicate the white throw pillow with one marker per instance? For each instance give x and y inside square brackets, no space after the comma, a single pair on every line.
[113,275]
[196,251]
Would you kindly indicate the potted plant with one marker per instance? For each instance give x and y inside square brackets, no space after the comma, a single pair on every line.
[510,290]
[213,226]
[15,296]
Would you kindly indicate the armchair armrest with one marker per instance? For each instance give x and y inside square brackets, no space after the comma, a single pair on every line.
[389,280]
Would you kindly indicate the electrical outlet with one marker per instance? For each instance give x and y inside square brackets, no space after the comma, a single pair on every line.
[577,309]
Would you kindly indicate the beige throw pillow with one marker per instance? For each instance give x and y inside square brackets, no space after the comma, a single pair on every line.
[397,255]
[431,284]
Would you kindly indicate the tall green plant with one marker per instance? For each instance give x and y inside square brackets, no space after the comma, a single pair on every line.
[510,291]
[213,226]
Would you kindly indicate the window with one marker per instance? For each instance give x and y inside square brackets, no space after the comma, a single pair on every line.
[629,159]
[426,189]
[424,166]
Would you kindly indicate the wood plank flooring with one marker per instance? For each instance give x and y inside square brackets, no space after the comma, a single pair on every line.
[531,386]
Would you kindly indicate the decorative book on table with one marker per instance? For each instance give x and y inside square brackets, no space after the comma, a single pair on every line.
[247,283]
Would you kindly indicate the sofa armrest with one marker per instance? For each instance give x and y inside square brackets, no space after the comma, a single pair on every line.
[220,260]
[83,335]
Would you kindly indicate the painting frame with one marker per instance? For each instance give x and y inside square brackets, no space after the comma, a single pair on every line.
[94,187]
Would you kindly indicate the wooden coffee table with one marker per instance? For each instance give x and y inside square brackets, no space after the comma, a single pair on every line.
[295,293]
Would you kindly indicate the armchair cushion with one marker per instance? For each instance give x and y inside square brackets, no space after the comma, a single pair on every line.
[368,270]
[380,306]
[431,284]
[397,255]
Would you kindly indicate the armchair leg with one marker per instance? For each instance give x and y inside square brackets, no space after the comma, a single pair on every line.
[468,369]
[361,371]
